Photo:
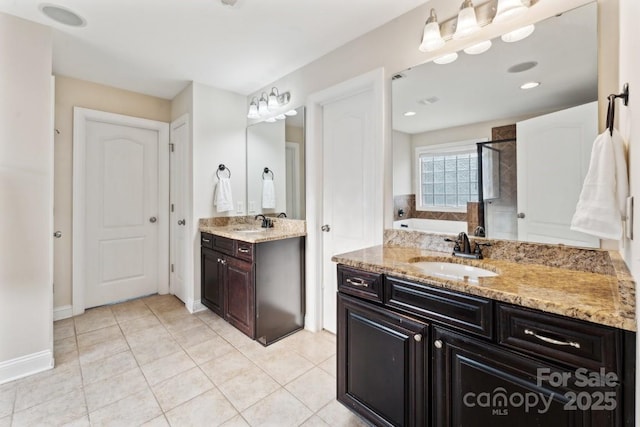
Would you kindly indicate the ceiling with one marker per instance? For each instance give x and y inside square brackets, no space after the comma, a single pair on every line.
[157,46]
[479,88]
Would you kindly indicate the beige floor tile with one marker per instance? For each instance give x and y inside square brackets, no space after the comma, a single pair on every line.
[151,335]
[159,370]
[5,421]
[155,350]
[329,336]
[208,409]
[209,350]
[99,335]
[279,409]
[59,411]
[335,414]
[130,310]
[109,366]
[284,366]
[46,386]
[160,421]
[312,346]
[83,421]
[315,388]
[194,336]
[163,303]
[112,389]
[144,322]
[182,323]
[234,336]
[7,399]
[236,421]
[65,345]
[314,421]
[103,349]
[66,358]
[248,388]
[330,366]
[181,388]
[95,318]
[63,329]
[224,368]
[130,411]
[211,319]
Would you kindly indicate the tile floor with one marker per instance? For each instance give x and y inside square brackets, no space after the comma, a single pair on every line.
[150,362]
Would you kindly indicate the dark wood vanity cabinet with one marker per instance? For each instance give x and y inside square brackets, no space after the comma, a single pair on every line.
[258,288]
[486,363]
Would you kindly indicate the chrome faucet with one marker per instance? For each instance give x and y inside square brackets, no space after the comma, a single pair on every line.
[462,247]
[266,222]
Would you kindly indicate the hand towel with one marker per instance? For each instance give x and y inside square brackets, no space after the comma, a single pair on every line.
[601,207]
[268,194]
[223,200]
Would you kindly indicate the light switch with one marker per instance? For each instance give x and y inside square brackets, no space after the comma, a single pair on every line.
[252,207]
[240,208]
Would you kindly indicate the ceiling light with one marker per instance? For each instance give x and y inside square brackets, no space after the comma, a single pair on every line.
[467,22]
[253,109]
[446,59]
[478,48]
[519,34]
[431,37]
[271,120]
[429,101]
[409,113]
[281,117]
[523,66]
[62,15]
[530,85]
[509,9]
[291,113]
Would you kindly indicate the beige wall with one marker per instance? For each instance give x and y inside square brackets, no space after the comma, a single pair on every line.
[71,93]
[26,160]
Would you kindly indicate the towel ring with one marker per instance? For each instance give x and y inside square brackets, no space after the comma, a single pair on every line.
[611,109]
[266,171]
[222,167]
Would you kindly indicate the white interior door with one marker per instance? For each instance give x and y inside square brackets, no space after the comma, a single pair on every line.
[178,215]
[292,160]
[120,197]
[349,194]
[553,154]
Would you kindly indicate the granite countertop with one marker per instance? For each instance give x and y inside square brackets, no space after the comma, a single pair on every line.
[246,229]
[606,298]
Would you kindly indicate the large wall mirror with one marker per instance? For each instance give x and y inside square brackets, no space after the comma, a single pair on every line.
[275,167]
[534,143]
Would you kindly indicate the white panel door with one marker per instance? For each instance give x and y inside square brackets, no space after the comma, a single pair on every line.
[292,161]
[349,196]
[178,195]
[122,211]
[553,153]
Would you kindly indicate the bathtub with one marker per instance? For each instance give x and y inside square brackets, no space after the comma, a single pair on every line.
[431,225]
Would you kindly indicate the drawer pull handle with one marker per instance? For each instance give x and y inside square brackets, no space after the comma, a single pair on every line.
[206,240]
[243,250]
[551,340]
[356,281]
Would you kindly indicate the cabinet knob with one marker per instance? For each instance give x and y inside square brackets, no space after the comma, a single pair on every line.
[437,344]
[417,337]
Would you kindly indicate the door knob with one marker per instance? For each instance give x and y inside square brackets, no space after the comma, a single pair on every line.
[153,219]
[57,234]
[326,228]
[521,215]
[181,222]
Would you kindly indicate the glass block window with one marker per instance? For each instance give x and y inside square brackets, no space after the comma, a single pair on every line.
[448,179]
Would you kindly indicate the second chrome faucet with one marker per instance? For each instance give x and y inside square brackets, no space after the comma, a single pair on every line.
[462,247]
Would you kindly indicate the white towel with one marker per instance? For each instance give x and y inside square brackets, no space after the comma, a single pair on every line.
[223,200]
[268,194]
[601,207]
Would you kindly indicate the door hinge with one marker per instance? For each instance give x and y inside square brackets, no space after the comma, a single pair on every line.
[172,147]
[172,268]
[172,207]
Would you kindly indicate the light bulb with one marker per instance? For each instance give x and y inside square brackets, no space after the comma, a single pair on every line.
[467,23]
[431,37]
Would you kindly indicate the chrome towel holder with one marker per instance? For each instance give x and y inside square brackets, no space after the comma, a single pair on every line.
[222,167]
[267,171]
[611,109]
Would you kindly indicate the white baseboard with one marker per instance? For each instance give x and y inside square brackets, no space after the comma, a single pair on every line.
[63,312]
[26,365]
[194,306]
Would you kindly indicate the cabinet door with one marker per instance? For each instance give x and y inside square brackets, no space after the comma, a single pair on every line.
[212,281]
[381,364]
[476,384]
[240,295]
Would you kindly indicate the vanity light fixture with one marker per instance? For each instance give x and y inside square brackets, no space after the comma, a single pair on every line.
[530,85]
[281,117]
[268,104]
[271,120]
[409,113]
[253,109]
[431,37]
[478,48]
[263,106]
[467,23]
[519,34]
[509,9]
[273,98]
[291,113]
[446,59]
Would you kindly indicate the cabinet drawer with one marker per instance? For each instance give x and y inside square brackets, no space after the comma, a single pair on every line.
[466,312]
[360,283]
[222,244]
[206,240]
[569,341]
[244,250]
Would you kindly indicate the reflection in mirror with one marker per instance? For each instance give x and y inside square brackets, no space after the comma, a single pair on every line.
[275,167]
[534,183]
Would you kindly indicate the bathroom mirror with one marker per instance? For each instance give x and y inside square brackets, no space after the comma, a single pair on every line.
[478,98]
[275,165]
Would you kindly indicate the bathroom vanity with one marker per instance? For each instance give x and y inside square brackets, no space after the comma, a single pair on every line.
[254,279]
[533,346]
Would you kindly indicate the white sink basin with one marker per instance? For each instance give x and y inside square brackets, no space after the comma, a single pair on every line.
[452,271]
[250,230]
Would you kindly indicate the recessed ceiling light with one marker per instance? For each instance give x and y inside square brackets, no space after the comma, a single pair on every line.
[429,101]
[62,15]
[409,113]
[530,85]
[523,66]
[446,59]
